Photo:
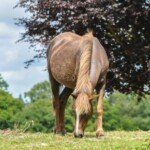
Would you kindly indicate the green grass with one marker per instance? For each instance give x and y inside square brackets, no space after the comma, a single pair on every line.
[118,140]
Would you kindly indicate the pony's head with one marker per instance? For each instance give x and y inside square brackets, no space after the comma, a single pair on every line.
[83,110]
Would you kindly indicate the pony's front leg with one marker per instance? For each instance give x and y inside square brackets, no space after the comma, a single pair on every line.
[99,121]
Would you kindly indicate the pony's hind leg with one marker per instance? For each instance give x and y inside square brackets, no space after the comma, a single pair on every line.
[56,105]
[63,101]
[59,103]
[99,123]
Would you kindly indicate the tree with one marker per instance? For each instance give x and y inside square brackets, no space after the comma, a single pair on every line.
[122,26]
[9,106]
[35,118]
[20,97]
[39,91]
[121,112]
[3,84]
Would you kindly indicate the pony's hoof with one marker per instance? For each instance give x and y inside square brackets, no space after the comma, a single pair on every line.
[63,132]
[58,132]
[99,133]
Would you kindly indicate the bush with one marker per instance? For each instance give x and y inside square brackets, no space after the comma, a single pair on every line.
[35,117]
[121,112]
[9,106]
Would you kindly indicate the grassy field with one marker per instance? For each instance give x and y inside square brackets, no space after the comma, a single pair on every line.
[118,140]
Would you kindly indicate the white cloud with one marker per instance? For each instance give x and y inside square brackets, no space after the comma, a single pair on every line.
[10,52]
[22,80]
[13,56]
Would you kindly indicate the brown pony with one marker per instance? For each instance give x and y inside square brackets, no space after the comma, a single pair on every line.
[80,64]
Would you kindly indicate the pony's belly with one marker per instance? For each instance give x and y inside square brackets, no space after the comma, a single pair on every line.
[64,72]
[64,62]
[67,78]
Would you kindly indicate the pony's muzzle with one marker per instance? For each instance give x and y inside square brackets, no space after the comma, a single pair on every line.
[78,135]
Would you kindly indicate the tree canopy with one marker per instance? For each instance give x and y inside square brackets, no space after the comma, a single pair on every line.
[39,91]
[3,83]
[9,106]
[122,26]
[121,112]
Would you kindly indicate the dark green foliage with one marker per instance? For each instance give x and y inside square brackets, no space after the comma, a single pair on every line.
[9,106]
[121,112]
[39,117]
[36,117]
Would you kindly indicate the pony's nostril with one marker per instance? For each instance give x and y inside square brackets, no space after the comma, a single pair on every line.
[78,135]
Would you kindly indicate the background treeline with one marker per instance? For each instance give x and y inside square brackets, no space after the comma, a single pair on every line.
[121,112]
[122,27]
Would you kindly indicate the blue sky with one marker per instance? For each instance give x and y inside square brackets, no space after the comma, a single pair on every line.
[13,55]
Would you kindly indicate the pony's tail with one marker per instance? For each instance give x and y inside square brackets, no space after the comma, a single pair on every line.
[83,84]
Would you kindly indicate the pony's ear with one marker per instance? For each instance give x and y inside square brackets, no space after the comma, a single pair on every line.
[93,97]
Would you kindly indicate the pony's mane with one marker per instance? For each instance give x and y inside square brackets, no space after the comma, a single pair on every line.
[83,84]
